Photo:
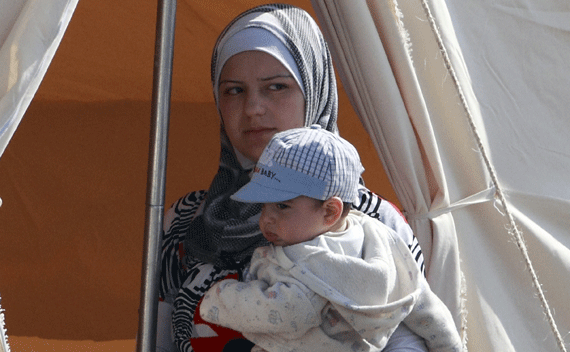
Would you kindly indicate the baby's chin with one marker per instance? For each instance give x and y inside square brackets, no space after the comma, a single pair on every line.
[273,238]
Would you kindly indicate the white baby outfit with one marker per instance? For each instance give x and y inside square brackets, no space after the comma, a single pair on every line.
[342,291]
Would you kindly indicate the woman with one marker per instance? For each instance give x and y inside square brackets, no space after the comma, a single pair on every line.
[271,71]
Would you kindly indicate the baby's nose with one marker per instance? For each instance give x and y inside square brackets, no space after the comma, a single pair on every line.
[265,216]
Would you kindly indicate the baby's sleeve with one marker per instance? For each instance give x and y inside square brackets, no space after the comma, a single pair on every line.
[432,320]
[258,307]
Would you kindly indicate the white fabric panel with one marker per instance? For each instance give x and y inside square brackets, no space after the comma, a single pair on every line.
[387,96]
[521,53]
[30,32]
[511,61]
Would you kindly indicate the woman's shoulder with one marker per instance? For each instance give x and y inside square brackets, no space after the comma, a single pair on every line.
[185,207]
[380,209]
[191,199]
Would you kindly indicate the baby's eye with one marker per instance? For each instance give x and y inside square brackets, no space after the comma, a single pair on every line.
[281,206]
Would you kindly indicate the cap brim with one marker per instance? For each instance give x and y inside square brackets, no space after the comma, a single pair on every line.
[254,192]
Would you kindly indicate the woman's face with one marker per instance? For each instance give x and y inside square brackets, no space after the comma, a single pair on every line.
[257,98]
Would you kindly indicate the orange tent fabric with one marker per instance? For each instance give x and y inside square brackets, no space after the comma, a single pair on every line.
[73,177]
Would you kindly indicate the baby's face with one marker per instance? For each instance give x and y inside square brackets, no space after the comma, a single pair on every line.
[290,222]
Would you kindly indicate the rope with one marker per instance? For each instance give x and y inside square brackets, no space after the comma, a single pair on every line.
[513,231]
[4,346]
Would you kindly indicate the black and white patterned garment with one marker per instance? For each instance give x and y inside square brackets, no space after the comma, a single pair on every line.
[207,238]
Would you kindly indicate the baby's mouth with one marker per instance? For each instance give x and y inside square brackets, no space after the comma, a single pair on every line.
[270,236]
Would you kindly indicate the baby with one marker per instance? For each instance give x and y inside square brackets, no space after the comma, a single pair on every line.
[333,279]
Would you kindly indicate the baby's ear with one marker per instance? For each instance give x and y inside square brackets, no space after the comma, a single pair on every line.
[333,210]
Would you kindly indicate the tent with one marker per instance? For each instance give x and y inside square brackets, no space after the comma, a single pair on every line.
[467,116]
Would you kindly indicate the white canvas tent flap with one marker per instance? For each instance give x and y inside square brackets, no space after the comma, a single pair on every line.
[30,32]
[432,134]
[385,101]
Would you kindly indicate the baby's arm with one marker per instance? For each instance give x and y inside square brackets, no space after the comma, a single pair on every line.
[431,320]
[258,307]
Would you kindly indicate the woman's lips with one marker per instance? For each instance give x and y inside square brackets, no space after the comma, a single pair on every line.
[257,131]
[259,136]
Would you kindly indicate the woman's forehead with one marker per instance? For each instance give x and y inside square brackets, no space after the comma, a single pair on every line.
[255,65]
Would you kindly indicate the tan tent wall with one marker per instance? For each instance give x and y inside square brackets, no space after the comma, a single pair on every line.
[73,178]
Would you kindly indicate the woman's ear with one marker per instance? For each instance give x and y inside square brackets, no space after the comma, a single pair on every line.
[333,210]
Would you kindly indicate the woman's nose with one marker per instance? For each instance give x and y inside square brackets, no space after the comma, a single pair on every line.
[254,105]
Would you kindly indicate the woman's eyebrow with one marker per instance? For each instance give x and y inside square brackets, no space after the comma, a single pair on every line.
[262,79]
[228,81]
[275,76]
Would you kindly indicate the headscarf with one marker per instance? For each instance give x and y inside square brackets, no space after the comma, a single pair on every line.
[226,232]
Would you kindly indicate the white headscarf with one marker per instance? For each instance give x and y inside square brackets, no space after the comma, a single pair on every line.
[254,39]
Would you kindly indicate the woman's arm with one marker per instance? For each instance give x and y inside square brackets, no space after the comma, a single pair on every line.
[173,273]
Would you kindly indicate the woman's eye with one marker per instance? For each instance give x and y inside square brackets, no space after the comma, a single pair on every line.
[232,90]
[277,86]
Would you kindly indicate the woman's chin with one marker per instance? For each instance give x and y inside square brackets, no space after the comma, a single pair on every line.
[259,139]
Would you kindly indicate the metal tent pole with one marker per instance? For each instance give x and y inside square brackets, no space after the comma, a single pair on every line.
[162,77]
